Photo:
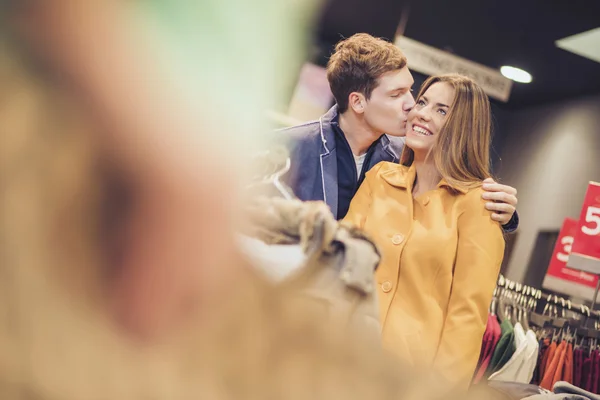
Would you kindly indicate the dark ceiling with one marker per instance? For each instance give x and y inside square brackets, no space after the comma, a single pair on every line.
[520,33]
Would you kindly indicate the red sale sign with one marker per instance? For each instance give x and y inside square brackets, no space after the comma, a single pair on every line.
[585,254]
[563,279]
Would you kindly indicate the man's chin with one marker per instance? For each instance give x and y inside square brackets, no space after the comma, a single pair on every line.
[401,133]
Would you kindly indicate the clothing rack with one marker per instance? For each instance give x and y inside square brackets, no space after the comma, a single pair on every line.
[547,310]
[541,338]
[547,299]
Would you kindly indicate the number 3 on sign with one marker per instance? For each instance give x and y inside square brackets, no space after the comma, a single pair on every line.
[567,243]
[593,216]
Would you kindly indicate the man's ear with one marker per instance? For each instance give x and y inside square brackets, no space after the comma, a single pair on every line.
[357,102]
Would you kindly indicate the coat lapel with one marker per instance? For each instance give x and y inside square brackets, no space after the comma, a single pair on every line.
[383,152]
[329,172]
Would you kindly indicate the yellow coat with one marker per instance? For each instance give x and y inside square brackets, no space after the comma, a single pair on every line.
[441,255]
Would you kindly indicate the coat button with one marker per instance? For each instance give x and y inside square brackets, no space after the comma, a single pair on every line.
[386,286]
[397,239]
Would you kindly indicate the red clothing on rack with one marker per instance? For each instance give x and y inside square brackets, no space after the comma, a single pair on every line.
[596,373]
[485,343]
[577,367]
[491,338]
[587,373]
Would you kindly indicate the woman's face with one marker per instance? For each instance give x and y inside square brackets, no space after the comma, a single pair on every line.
[427,117]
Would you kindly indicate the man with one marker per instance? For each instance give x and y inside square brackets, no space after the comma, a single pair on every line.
[371,83]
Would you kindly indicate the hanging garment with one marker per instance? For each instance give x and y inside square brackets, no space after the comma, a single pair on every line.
[596,373]
[558,375]
[586,376]
[568,369]
[340,260]
[590,386]
[544,344]
[508,372]
[548,359]
[495,333]
[577,367]
[505,349]
[548,380]
[521,365]
[486,341]
[531,359]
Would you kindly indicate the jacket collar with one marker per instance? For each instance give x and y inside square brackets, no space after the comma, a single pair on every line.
[404,178]
[328,134]
[385,144]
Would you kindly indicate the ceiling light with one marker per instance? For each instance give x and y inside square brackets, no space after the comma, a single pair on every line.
[516,74]
[586,44]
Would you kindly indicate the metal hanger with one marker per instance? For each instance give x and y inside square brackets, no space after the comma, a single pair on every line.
[283,189]
[274,178]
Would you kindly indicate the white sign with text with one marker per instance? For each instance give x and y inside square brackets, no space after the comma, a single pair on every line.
[431,61]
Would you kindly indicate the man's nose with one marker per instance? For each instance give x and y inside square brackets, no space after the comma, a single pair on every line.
[409,103]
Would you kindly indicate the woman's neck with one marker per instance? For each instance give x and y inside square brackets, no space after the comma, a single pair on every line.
[427,176]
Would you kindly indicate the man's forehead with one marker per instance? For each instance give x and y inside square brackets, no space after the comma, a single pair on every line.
[399,79]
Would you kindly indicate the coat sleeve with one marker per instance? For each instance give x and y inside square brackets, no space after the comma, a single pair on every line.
[513,224]
[361,202]
[480,250]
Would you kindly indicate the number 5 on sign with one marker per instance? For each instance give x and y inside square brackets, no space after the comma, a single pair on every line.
[592,217]
[585,254]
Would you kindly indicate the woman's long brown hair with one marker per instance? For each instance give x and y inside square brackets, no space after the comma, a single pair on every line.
[462,151]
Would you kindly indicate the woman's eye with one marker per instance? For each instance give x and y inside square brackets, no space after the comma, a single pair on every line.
[421,102]
[442,111]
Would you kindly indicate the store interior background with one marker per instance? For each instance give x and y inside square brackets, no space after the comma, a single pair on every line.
[547,136]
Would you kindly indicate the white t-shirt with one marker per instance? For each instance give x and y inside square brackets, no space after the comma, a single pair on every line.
[359,161]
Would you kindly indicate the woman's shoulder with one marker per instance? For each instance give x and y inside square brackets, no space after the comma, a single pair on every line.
[386,167]
[474,190]
[472,203]
[471,194]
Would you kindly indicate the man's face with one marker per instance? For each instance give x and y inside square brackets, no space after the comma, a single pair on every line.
[387,109]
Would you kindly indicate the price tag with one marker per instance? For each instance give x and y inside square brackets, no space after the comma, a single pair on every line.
[563,279]
[585,252]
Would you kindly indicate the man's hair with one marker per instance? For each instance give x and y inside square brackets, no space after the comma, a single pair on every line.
[357,64]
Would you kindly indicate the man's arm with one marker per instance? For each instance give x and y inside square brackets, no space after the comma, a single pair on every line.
[502,201]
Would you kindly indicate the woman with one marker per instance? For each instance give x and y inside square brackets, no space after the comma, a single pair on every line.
[441,250]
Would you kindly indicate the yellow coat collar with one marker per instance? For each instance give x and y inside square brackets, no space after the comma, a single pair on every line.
[403,177]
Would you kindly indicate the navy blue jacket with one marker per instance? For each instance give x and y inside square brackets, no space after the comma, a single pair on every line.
[313,152]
